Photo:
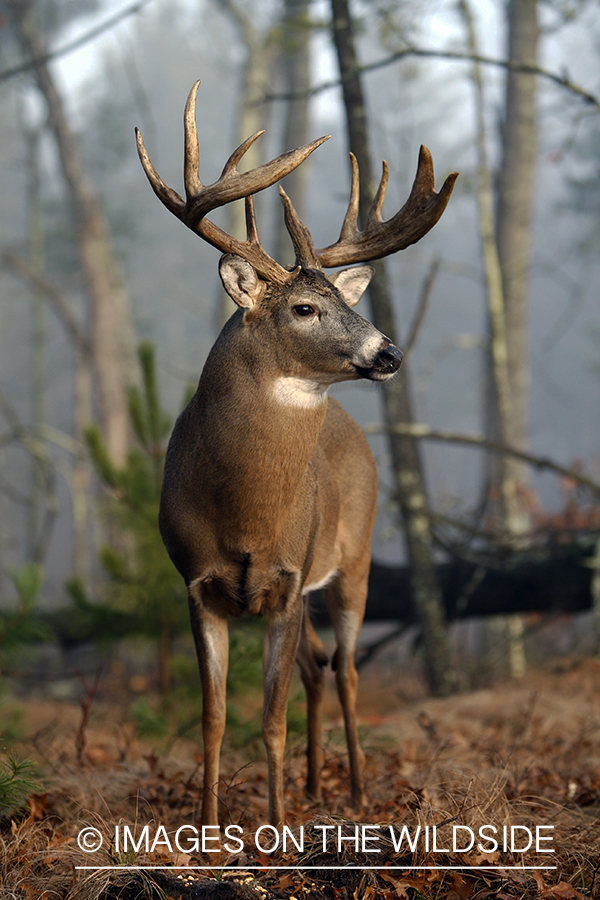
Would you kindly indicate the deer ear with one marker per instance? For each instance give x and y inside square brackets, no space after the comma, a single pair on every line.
[352,283]
[240,280]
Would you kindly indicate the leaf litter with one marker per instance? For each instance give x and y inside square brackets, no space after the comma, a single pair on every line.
[523,755]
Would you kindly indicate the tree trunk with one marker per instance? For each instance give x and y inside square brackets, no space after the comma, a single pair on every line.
[254,82]
[514,242]
[506,248]
[515,202]
[112,336]
[294,57]
[38,334]
[498,401]
[396,395]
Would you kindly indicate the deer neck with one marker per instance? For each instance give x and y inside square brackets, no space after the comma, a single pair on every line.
[260,427]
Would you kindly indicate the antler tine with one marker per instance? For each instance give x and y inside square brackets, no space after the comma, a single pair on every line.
[424,181]
[423,200]
[232,163]
[231,185]
[418,215]
[375,211]
[165,194]
[191,153]
[300,235]
[251,229]
[350,223]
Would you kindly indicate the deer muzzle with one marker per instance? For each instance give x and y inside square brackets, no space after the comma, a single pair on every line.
[386,363]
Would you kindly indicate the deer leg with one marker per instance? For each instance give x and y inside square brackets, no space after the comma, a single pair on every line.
[282,634]
[212,647]
[347,624]
[312,660]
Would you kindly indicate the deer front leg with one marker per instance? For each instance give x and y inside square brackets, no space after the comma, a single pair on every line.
[212,647]
[282,633]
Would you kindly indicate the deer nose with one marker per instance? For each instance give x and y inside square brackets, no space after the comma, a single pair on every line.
[390,358]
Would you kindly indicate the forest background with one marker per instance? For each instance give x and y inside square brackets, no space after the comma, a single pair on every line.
[92,265]
[108,308]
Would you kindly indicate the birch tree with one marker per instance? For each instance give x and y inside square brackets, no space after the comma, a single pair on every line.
[516,182]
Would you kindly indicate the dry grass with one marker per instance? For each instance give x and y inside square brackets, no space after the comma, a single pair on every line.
[526,754]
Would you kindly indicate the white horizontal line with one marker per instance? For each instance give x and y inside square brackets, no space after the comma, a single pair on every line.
[306,868]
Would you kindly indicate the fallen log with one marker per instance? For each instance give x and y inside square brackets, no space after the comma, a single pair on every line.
[548,580]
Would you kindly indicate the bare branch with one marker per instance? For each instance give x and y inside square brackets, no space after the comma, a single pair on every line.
[41,457]
[57,301]
[423,305]
[75,44]
[458,55]
[424,432]
[244,21]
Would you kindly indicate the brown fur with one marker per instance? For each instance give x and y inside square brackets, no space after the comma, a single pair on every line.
[263,497]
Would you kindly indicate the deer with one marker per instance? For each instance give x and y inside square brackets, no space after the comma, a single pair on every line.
[270,487]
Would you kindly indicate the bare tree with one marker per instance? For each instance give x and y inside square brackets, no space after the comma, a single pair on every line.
[260,51]
[507,241]
[514,213]
[406,457]
[506,251]
[112,328]
[38,340]
[498,399]
[294,60]
[514,243]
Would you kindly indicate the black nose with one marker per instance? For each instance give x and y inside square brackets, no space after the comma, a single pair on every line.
[390,358]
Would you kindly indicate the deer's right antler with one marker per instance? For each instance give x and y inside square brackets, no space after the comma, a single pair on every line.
[231,185]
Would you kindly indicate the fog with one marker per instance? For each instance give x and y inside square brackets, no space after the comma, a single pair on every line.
[139,73]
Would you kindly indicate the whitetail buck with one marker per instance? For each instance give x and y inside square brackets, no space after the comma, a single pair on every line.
[270,488]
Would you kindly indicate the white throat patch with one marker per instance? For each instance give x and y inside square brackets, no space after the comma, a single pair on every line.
[302,392]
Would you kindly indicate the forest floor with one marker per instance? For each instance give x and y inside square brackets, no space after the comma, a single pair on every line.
[518,760]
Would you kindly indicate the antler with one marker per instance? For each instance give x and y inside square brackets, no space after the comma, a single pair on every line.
[231,185]
[418,215]
[300,235]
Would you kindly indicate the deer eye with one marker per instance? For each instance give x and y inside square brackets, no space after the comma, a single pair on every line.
[304,309]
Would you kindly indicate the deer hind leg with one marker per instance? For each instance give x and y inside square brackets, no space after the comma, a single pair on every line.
[212,647]
[347,618]
[282,634]
[312,659]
